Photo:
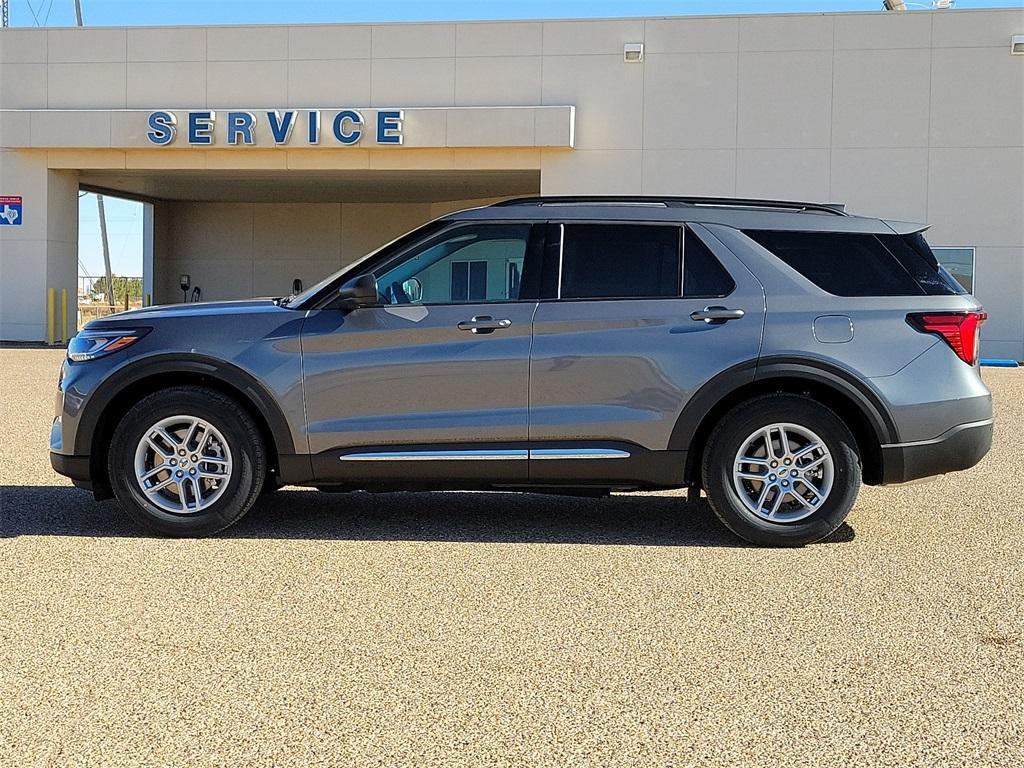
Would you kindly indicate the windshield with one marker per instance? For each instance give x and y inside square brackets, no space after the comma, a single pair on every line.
[373,257]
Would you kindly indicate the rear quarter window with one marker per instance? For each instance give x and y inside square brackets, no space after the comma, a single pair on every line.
[852,264]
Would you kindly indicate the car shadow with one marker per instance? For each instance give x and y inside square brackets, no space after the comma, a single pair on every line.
[443,517]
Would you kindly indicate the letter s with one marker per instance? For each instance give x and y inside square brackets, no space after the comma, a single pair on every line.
[162,127]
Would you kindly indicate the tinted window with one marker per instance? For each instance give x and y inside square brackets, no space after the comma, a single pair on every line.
[915,255]
[703,275]
[478,263]
[842,263]
[619,261]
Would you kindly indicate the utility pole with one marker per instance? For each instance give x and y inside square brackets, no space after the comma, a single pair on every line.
[99,205]
[5,5]
[106,251]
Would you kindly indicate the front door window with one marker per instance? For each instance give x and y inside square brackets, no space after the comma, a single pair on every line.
[472,264]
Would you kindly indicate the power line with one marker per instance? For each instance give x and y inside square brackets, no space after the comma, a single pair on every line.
[32,10]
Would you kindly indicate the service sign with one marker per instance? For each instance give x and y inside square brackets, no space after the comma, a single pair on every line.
[309,127]
[10,210]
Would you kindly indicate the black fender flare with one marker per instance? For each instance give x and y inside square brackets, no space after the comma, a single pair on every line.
[224,372]
[818,371]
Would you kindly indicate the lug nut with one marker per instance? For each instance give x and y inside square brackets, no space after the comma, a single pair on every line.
[181,452]
[195,458]
[785,484]
[174,462]
[787,462]
[775,464]
[179,473]
[191,471]
[771,477]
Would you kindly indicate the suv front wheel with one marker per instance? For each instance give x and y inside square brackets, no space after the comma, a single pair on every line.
[781,470]
[186,461]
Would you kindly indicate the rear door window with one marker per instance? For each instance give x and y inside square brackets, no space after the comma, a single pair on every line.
[611,261]
[853,264]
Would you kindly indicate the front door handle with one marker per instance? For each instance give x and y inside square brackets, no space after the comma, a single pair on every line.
[717,315]
[484,324]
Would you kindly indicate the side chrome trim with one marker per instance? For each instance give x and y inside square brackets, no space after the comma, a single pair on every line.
[518,454]
[472,455]
[578,453]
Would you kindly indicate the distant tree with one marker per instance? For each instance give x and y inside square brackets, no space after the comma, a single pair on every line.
[130,286]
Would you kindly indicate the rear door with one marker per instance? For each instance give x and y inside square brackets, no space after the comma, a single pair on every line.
[635,318]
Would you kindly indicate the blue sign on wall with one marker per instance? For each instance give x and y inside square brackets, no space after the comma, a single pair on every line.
[10,210]
[345,127]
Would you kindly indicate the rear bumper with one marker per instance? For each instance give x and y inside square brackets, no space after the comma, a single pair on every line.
[958,448]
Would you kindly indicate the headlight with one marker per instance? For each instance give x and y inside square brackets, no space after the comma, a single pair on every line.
[90,344]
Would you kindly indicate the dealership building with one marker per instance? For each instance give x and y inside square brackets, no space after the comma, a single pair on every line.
[265,154]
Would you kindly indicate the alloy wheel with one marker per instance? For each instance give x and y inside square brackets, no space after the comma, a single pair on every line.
[182,464]
[783,473]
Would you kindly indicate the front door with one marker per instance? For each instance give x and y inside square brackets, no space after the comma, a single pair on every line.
[433,383]
[642,316]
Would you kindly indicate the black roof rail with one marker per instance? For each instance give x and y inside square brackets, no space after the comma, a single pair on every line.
[836,209]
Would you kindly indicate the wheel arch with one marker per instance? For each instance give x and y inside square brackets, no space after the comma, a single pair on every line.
[118,393]
[859,407]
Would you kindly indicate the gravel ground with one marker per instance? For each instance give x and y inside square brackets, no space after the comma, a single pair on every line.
[478,629]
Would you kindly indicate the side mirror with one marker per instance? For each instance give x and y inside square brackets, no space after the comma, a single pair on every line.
[413,289]
[358,292]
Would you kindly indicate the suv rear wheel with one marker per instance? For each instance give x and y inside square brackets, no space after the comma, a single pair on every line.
[186,461]
[781,470]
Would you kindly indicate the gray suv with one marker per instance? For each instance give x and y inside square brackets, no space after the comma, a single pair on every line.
[774,354]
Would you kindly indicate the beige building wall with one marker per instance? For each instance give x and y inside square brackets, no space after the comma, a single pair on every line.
[42,252]
[918,115]
[238,250]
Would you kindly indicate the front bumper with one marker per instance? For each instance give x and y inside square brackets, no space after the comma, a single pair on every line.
[74,467]
[958,448]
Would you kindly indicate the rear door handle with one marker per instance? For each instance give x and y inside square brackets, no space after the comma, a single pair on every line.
[484,324]
[717,315]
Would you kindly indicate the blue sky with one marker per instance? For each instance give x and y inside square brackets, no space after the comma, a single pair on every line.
[133,12]
[124,218]
[124,233]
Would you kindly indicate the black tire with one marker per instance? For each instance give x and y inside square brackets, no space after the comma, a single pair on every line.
[240,433]
[727,439]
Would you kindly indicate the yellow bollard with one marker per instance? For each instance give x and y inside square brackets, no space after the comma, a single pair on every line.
[64,315]
[50,296]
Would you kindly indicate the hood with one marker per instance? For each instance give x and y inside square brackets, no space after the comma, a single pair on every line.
[198,309]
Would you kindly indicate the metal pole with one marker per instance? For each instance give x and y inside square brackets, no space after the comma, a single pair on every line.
[106,250]
[99,204]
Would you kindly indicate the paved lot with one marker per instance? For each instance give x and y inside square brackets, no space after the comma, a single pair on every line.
[476,629]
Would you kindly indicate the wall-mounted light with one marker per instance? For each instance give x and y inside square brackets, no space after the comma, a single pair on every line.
[1017,45]
[633,53]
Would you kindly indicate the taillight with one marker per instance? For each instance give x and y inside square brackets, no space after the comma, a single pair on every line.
[958,329]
